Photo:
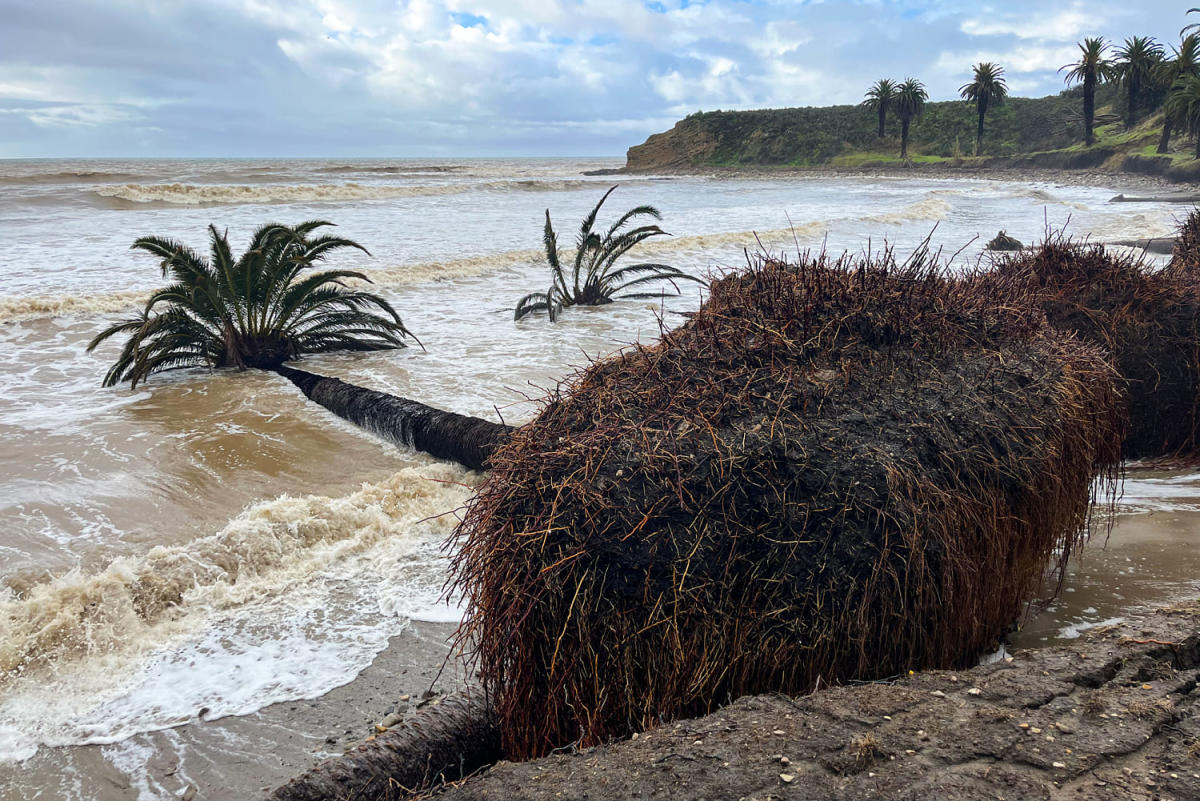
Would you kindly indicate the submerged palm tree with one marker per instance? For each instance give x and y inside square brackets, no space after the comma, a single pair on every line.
[880,98]
[987,87]
[258,310]
[1183,106]
[1184,62]
[1090,70]
[1133,69]
[594,279]
[910,104]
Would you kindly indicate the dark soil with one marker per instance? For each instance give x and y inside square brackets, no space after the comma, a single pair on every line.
[1112,718]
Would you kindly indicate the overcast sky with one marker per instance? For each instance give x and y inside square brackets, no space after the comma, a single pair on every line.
[491,77]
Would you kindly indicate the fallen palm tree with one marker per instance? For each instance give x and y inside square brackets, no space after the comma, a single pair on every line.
[837,469]
[1148,320]
[470,441]
[441,743]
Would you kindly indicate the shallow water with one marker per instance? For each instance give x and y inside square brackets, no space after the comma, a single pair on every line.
[214,541]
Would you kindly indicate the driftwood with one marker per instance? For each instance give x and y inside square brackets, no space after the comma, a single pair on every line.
[440,743]
[446,435]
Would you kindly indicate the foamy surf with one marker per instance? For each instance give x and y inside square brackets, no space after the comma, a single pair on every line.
[178,194]
[281,603]
[728,243]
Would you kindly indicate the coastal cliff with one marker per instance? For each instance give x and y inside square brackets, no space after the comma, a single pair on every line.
[1024,133]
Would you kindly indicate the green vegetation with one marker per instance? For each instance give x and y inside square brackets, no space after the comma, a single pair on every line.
[260,310]
[1134,69]
[847,135]
[880,98]
[987,88]
[594,279]
[1091,68]
[1184,63]
[1133,83]
[910,105]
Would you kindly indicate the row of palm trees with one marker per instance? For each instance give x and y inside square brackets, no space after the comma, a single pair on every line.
[1137,67]
[908,98]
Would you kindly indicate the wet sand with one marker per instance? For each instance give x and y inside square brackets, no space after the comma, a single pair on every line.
[242,757]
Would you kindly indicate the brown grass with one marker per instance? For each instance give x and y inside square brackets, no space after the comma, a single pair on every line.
[1147,320]
[839,468]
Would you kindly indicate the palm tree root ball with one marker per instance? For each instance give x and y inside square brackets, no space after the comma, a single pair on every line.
[837,469]
[1147,320]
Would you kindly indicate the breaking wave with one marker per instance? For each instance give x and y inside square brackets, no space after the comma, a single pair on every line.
[94,657]
[220,194]
[394,170]
[225,194]
[264,550]
[930,209]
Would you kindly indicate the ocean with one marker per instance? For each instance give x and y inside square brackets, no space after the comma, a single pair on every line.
[213,541]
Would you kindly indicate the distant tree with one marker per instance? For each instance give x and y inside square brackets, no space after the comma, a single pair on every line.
[880,97]
[1133,69]
[987,87]
[1090,70]
[1184,61]
[909,104]
[1183,106]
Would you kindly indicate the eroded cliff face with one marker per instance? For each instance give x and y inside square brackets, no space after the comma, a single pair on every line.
[685,145]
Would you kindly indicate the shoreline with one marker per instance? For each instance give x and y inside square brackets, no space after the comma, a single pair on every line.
[1122,181]
[247,756]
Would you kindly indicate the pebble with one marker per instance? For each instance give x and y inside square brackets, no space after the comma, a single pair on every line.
[974,691]
[779,731]
[391,720]
[938,694]
[1059,764]
[787,778]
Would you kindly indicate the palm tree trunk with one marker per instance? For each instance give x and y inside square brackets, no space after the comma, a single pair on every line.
[1198,144]
[979,131]
[1089,109]
[904,137]
[882,118]
[1165,140]
[467,440]
[1134,90]
[442,743]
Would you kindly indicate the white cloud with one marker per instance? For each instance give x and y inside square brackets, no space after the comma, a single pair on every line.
[397,76]
[1062,24]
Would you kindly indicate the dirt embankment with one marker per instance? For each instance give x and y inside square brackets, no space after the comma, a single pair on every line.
[1112,718]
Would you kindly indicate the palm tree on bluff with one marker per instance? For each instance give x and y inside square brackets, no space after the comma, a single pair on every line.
[1090,70]
[1133,68]
[1184,62]
[987,87]
[1183,106]
[880,98]
[267,307]
[910,104]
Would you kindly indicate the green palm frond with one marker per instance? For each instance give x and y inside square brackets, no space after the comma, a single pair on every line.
[594,277]
[257,310]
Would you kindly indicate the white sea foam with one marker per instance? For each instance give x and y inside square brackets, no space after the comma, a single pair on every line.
[180,194]
[276,605]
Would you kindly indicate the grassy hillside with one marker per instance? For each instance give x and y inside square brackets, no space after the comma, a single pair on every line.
[844,136]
